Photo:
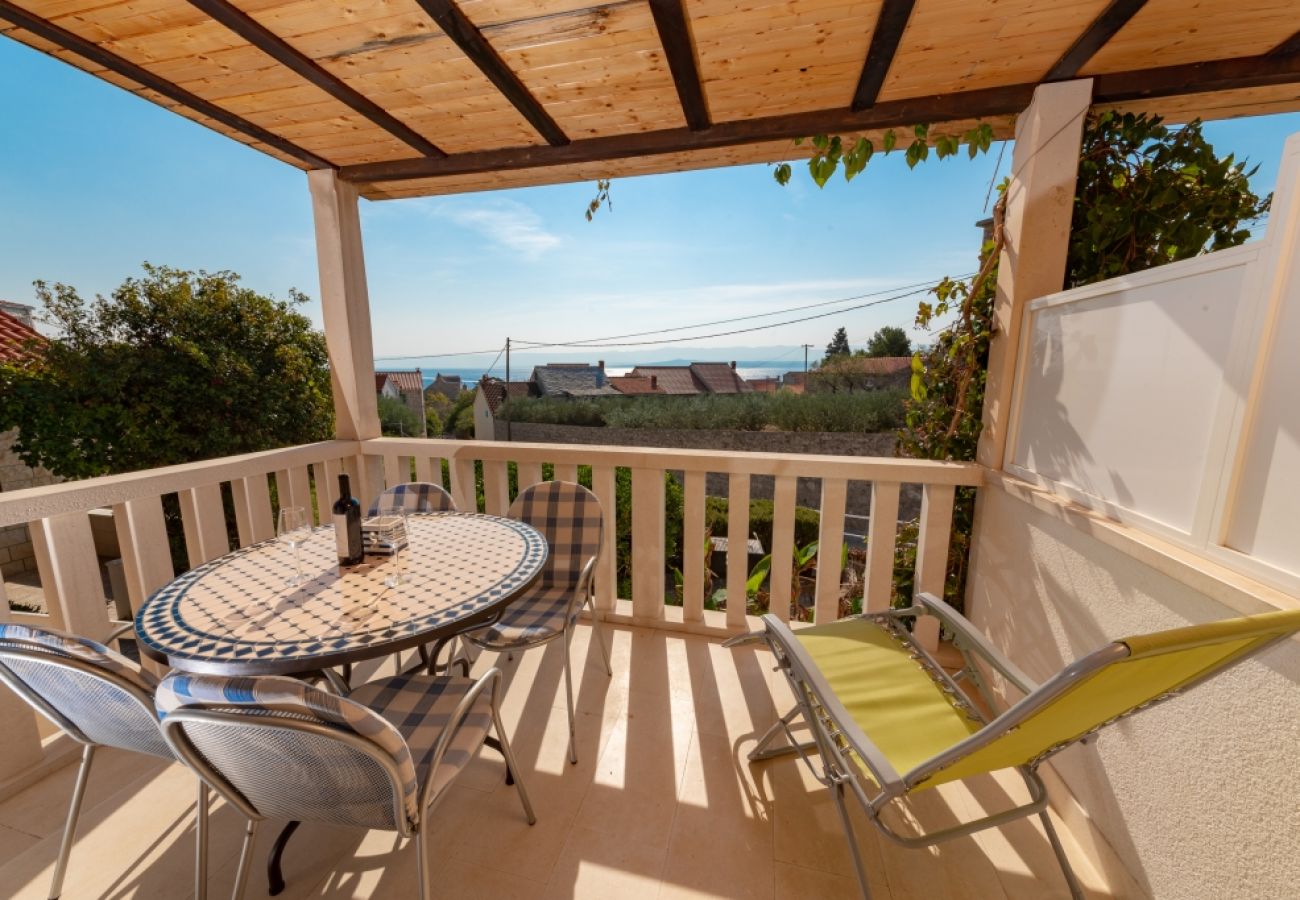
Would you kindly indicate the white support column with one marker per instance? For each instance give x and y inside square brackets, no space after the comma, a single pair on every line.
[1040,203]
[345,305]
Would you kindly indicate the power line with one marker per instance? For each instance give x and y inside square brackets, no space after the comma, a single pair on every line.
[440,355]
[776,312]
[716,334]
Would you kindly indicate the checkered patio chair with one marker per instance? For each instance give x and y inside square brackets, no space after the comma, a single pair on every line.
[888,721]
[382,757]
[415,497]
[98,697]
[570,518]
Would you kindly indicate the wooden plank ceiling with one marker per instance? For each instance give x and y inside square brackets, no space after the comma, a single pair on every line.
[417,97]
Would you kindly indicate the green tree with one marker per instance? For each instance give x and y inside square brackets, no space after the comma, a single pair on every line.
[839,345]
[463,424]
[173,367]
[889,341]
[433,422]
[398,419]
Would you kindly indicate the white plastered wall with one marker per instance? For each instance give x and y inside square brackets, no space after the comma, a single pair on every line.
[1198,798]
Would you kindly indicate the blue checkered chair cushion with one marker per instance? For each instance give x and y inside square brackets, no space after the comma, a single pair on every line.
[95,705]
[569,517]
[416,497]
[272,695]
[421,707]
[80,648]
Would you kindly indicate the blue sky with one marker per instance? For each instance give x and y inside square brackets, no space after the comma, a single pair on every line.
[95,180]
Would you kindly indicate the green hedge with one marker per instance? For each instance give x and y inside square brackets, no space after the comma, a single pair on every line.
[806,521]
[870,411]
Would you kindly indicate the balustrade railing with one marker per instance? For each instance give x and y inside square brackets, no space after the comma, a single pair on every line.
[207,496]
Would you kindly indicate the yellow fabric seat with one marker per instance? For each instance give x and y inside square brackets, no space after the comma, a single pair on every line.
[885,691]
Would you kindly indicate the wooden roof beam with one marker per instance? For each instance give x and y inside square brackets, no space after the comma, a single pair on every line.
[1289,47]
[1104,27]
[885,38]
[74,43]
[474,45]
[679,47]
[286,55]
[1197,78]
[896,113]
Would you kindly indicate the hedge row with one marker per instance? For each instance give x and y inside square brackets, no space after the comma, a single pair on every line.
[870,411]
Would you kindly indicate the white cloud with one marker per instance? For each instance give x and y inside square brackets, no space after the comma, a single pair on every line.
[508,223]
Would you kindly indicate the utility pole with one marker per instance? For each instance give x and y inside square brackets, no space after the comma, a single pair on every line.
[805,358]
[506,400]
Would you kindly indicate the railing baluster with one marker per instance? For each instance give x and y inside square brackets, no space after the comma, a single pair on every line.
[737,549]
[530,473]
[566,471]
[293,488]
[20,743]
[882,536]
[424,469]
[693,555]
[146,553]
[932,553]
[393,471]
[496,487]
[203,516]
[830,540]
[462,484]
[648,544]
[252,509]
[782,549]
[69,570]
[604,486]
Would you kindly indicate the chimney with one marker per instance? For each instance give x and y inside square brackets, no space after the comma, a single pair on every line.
[600,364]
[733,365]
[654,382]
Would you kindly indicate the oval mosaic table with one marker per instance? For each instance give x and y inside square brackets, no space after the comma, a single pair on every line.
[236,616]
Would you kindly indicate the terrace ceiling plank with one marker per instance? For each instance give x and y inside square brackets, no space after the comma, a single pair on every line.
[98,55]
[471,41]
[282,52]
[1102,29]
[885,38]
[675,34]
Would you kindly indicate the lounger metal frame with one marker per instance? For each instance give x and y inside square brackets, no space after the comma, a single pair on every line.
[836,736]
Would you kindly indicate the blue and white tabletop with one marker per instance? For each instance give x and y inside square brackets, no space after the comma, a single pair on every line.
[237,616]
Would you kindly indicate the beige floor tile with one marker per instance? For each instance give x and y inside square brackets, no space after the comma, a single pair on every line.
[718,855]
[606,863]
[42,809]
[13,843]
[800,883]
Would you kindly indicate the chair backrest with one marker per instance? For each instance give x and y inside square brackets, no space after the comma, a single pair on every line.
[1121,678]
[416,497]
[276,747]
[569,517]
[96,695]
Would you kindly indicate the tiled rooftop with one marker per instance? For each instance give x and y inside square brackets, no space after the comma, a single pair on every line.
[15,337]
[662,804]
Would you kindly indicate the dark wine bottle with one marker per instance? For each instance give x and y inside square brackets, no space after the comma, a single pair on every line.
[347,525]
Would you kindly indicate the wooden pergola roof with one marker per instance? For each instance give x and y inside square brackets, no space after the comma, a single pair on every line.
[417,97]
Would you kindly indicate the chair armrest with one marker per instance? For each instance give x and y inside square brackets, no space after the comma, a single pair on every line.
[491,679]
[582,589]
[971,638]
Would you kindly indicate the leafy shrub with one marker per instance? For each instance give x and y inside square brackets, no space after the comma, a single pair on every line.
[870,411]
[806,521]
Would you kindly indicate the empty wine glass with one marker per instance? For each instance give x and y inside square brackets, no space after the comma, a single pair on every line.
[294,528]
[392,530]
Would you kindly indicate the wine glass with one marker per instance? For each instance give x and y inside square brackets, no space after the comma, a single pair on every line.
[294,528]
[392,530]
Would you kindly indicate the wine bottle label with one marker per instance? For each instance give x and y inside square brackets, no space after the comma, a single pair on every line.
[341,535]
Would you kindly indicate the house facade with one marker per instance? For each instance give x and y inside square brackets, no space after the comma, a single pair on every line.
[406,385]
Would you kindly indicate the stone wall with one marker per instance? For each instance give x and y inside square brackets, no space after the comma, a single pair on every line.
[809,491]
[16,554]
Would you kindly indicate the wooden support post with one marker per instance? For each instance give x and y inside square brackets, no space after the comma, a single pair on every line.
[1040,203]
[648,544]
[932,538]
[345,305]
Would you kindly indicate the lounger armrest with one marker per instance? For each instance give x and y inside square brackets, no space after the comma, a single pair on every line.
[971,638]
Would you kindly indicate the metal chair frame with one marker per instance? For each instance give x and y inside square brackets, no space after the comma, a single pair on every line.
[584,594]
[42,654]
[173,727]
[836,736]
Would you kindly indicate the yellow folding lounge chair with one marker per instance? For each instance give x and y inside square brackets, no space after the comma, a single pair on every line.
[888,721]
